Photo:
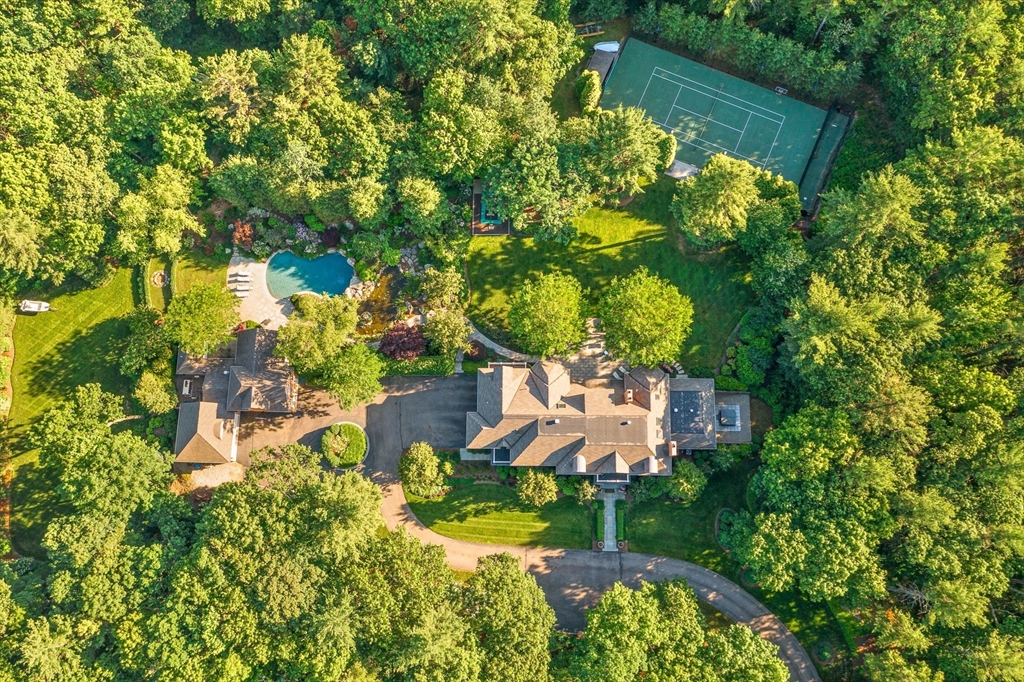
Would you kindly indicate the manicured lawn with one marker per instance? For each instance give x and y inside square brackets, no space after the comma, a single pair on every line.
[158,297]
[615,242]
[669,529]
[193,267]
[493,514]
[74,344]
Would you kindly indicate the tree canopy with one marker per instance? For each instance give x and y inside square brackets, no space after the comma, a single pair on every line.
[200,319]
[645,318]
[546,314]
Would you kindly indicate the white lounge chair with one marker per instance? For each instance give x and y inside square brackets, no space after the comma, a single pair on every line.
[241,294]
[243,273]
[243,287]
[243,278]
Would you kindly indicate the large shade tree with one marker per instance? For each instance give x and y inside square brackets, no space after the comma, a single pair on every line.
[645,318]
[546,314]
[200,319]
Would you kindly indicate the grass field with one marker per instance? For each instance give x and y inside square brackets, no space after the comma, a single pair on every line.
[493,514]
[615,242]
[158,297]
[193,267]
[74,344]
[669,529]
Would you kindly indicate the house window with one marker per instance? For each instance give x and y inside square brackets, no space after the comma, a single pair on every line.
[501,457]
[560,406]
[613,478]
[186,387]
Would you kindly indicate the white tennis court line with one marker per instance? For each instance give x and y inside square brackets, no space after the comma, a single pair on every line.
[724,125]
[706,87]
[736,151]
[700,142]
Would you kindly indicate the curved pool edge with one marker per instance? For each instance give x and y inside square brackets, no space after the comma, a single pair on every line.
[352,280]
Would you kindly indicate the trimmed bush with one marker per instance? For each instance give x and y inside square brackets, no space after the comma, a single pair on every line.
[425,365]
[343,445]
[422,471]
[620,520]
[588,89]
[537,488]
[156,393]
[649,487]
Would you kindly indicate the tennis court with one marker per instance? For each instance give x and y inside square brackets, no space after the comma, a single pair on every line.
[710,112]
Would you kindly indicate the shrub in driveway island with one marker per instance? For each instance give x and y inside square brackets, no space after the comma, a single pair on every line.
[343,445]
[546,315]
[645,318]
[422,471]
[537,488]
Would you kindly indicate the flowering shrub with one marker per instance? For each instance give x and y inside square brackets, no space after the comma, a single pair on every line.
[402,342]
[243,235]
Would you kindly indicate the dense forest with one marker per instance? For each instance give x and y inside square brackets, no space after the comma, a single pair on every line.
[887,336]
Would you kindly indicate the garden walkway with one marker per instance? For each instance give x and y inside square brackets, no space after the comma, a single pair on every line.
[433,409]
[592,361]
[498,348]
[611,530]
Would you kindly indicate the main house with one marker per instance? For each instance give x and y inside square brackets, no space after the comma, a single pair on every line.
[611,429]
[214,391]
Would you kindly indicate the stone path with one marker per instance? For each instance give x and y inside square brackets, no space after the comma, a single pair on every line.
[413,409]
[498,348]
[591,362]
[610,521]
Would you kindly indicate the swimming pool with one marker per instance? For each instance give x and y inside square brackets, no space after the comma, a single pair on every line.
[288,274]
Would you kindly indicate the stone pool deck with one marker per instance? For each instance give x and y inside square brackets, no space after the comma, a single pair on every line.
[259,305]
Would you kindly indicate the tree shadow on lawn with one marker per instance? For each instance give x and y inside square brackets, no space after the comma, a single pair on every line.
[462,504]
[717,284]
[34,503]
[89,356]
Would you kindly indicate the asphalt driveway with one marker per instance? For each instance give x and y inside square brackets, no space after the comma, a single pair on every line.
[433,409]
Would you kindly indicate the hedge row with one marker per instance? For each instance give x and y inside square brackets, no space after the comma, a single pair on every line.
[759,56]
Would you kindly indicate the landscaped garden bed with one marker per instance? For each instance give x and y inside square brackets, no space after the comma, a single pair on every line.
[343,445]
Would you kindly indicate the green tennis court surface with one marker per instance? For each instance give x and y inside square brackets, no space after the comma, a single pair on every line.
[710,112]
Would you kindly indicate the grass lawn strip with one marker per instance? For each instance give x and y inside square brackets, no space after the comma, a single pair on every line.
[74,344]
[158,297]
[615,242]
[193,267]
[493,514]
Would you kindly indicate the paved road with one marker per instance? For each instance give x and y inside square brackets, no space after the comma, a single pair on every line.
[413,409]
